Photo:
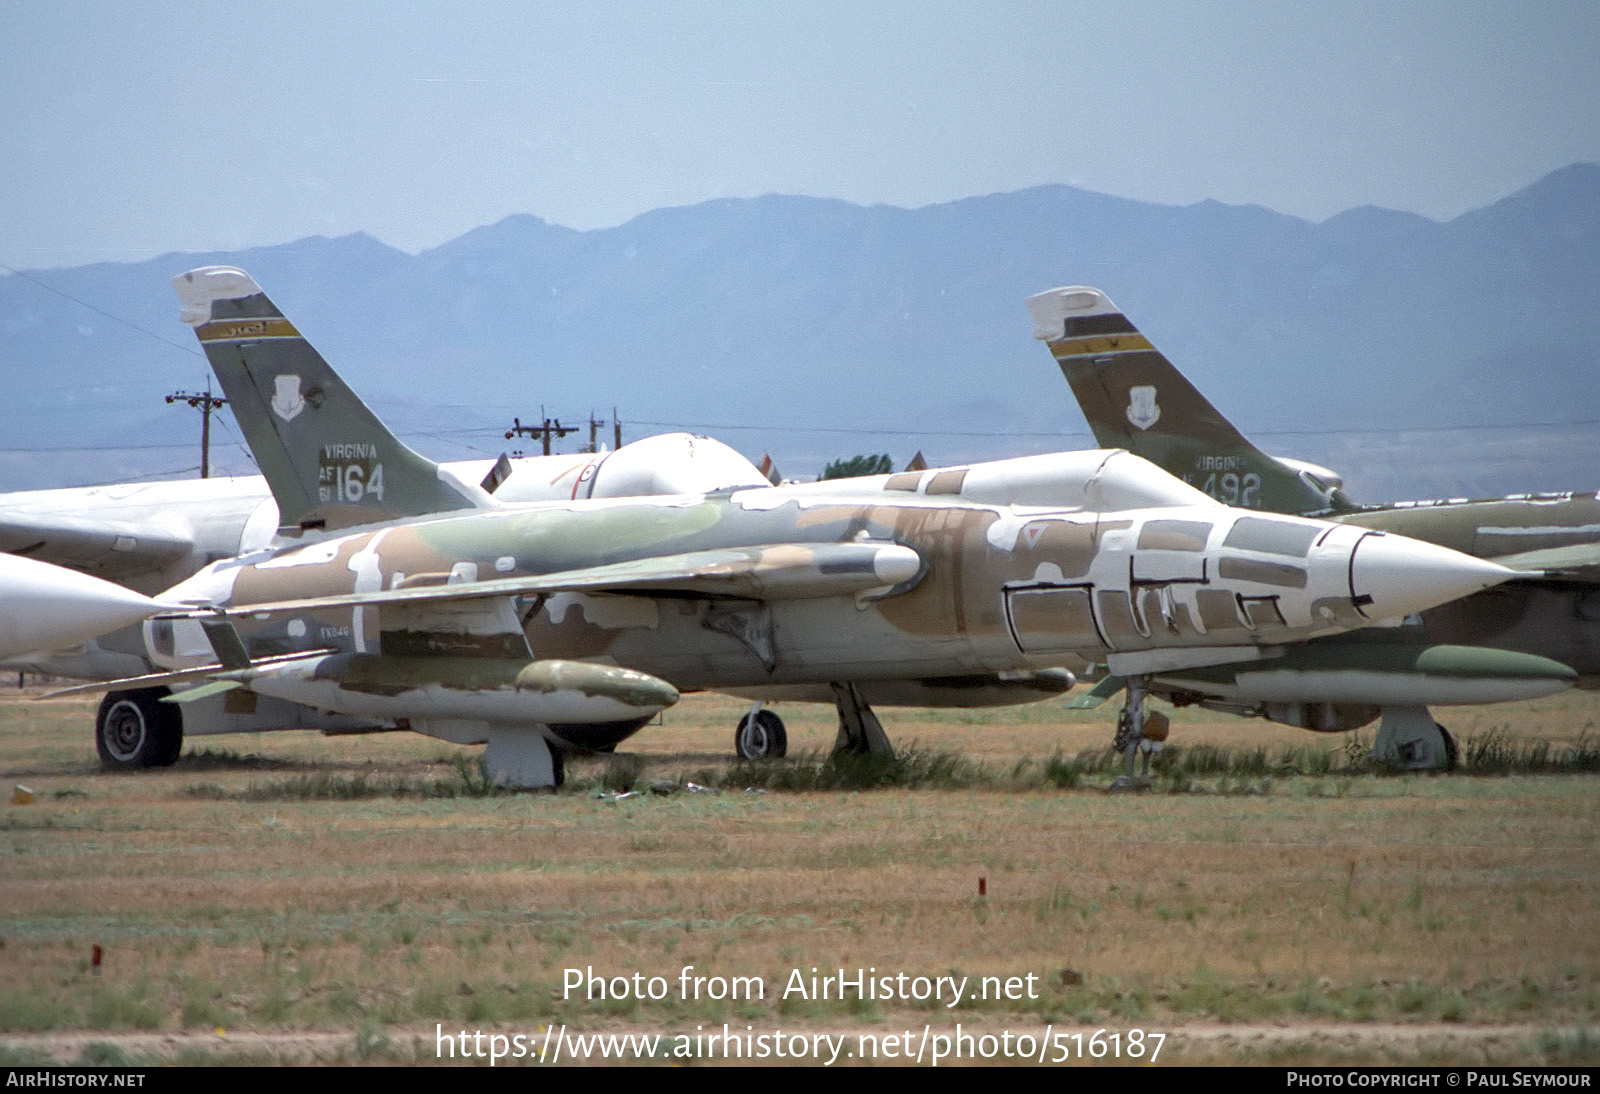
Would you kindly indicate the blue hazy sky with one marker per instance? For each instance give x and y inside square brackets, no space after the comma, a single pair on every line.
[131,129]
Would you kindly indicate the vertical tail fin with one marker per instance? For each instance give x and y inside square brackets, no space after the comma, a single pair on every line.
[1135,398]
[327,458]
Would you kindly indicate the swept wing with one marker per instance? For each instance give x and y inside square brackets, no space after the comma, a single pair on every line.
[786,571]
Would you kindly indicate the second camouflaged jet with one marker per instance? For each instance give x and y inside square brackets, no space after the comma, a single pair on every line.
[401,597]
[1494,646]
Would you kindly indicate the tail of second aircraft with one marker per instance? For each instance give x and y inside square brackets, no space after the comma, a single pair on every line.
[328,459]
[1134,398]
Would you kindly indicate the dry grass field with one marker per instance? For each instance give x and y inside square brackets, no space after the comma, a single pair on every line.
[291,897]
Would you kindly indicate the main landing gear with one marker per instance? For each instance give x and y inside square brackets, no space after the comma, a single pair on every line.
[761,734]
[136,729]
[522,759]
[860,732]
[1410,739]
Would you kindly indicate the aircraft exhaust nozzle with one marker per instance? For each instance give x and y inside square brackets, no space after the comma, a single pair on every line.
[45,607]
[1392,576]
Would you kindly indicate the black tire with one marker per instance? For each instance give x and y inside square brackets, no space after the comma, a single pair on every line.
[1452,753]
[136,729]
[558,766]
[766,739]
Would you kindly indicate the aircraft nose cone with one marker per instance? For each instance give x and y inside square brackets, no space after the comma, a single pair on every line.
[1404,575]
[44,607]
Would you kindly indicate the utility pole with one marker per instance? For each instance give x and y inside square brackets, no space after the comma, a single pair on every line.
[552,427]
[205,403]
[616,424]
[594,432]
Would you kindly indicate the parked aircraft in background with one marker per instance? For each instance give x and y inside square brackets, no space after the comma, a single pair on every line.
[1466,651]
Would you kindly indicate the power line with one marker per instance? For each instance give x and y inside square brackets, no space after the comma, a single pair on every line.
[554,426]
[238,441]
[1416,429]
[95,448]
[876,431]
[102,311]
[770,427]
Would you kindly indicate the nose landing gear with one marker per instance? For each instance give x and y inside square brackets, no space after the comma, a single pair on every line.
[1140,735]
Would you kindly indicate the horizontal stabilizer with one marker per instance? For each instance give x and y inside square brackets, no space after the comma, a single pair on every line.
[1579,561]
[204,691]
[182,676]
[1105,689]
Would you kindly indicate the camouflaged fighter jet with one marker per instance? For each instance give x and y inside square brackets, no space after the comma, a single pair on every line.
[405,598]
[1539,630]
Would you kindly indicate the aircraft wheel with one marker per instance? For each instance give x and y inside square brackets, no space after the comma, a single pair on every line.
[1451,752]
[136,729]
[761,738]
[558,765]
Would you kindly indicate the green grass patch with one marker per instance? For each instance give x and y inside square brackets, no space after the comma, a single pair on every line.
[1178,769]
[1499,754]
[912,768]
[468,781]
[1580,1047]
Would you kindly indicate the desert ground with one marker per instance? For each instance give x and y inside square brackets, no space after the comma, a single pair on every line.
[1271,898]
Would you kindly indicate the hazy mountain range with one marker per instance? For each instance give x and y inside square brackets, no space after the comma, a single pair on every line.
[1418,358]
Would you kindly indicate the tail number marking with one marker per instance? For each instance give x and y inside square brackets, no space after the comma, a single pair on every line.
[1230,489]
[349,473]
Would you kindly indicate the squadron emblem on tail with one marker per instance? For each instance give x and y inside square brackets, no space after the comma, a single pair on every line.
[287,402]
[1142,409]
